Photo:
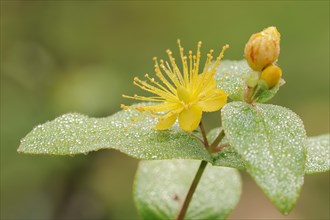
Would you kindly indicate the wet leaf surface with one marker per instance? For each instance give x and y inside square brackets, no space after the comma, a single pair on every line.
[271,139]
[161,186]
[127,131]
[318,154]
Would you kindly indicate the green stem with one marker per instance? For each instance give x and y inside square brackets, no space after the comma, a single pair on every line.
[217,140]
[206,143]
[200,171]
[191,191]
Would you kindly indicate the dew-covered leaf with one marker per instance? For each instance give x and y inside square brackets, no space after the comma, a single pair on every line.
[228,156]
[161,186]
[266,95]
[127,131]
[317,151]
[271,139]
[230,76]
[318,154]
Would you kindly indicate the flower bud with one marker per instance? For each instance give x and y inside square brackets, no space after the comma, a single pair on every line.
[271,75]
[251,78]
[263,48]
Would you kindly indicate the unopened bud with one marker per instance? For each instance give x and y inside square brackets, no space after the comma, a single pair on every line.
[271,75]
[263,48]
[252,78]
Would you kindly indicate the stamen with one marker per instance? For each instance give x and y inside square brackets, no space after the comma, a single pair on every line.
[184,64]
[143,98]
[125,107]
[176,70]
[198,56]
[169,73]
[217,62]
[190,65]
[160,75]
[159,85]
[208,74]
[145,86]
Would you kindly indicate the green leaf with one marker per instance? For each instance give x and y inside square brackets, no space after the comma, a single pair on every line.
[161,186]
[230,76]
[228,156]
[318,154]
[317,151]
[75,133]
[271,139]
[127,131]
[266,95]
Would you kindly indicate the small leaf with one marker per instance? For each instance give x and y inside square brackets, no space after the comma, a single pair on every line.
[318,154]
[230,75]
[271,139]
[266,95]
[127,131]
[161,186]
[228,156]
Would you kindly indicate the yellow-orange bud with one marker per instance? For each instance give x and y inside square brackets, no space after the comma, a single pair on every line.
[263,48]
[272,75]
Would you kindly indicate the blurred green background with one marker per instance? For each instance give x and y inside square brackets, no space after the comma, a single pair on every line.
[80,56]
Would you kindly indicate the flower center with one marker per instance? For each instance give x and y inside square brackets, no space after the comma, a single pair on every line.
[184,96]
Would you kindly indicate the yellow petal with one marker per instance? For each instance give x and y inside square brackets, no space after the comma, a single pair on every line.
[190,118]
[214,101]
[210,86]
[203,84]
[166,123]
[183,94]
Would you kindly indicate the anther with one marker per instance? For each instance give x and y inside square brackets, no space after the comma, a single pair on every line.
[169,52]
[124,107]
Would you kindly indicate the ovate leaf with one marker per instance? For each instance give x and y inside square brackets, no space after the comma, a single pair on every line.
[271,140]
[318,154]
[161,186]
[127,131]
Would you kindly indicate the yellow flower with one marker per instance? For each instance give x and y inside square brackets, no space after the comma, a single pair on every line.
[263,48]
[183,95]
